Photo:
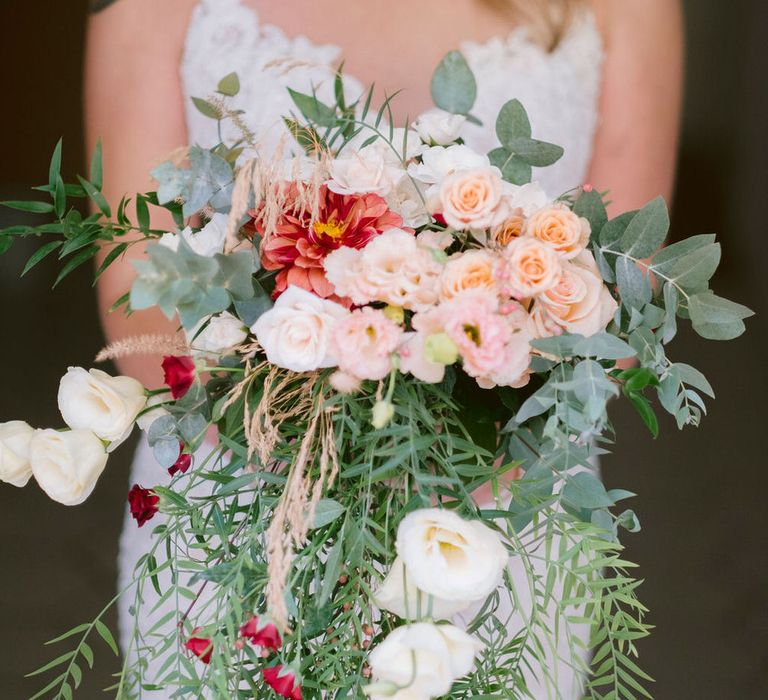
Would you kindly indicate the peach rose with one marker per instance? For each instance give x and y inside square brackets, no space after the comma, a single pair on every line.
[472,199]
[510,229]
[578,303]
[558,226]
[470,270]
[529,267]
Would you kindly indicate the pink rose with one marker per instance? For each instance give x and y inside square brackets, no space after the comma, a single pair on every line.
[472,199]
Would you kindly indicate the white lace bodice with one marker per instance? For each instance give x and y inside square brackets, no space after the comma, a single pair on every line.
[560,89]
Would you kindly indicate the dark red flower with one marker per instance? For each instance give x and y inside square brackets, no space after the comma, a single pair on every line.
[182,464]
[143,503]
[265,636]
[179,374]
[283,681]
[200,647]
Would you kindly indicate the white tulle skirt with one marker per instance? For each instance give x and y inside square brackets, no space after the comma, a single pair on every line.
[135,542]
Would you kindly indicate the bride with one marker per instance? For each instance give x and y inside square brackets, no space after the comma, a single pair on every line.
[600,78]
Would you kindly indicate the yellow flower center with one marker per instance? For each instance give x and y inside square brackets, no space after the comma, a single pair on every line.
[473,333]
[333,228]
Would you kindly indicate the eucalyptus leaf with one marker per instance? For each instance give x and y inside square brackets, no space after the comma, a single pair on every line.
[634,285]
[453,86]
[534,152]
[512,123]
[647,230]
[716,318]
[590,206]
[585,490]
[513,169]
[229,85]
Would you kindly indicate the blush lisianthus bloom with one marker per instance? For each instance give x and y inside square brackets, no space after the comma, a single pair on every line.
[408,199]
[93,400]
[66,465]
[437,127]
[567,232]
[579,302]
[415,355]
[364,342]
[15,438]
[400,596]
[473,269]
[296,333]
[529,267]
[437,163]
[473,199]
[449,557]
[421,660]
[393,268]
[299,245]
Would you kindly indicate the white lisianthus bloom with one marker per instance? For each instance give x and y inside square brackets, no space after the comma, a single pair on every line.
[15,437]
[423,659]
[67,465]
[208,241]
[438,163]
[438,127]
[217,335]
[107,406]
[398,595]
[296,332]
[449,557]
[406,200]
[525,199]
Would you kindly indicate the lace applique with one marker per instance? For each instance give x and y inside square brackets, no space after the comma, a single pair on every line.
[560,89]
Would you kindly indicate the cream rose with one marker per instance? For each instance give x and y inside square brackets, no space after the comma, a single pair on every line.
[296,332]
[559,227]
[437,127]
[510,229]
[472,199]
[208,241]
[398,595]
[421,661]
[449,557]
[530,267]
[15,437]
[67,465]
[579,302]
[107,406]
[473,269]
[217,335]
[362,172]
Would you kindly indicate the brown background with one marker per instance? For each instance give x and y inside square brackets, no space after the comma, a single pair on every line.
[701,492]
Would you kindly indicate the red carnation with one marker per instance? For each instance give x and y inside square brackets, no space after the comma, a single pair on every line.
[182,464]
[283,681]
[179,374]
[265,636]
[200,647]
[143,503]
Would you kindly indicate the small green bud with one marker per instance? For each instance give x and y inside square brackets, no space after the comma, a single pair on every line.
[440,349]
[383,412]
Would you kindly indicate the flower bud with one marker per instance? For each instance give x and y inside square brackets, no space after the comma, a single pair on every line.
[383,412]
[440,349]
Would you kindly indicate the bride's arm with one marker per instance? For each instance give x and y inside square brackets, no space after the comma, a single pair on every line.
[133,103]
[636,147]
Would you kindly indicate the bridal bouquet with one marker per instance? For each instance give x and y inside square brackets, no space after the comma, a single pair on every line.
[407,350]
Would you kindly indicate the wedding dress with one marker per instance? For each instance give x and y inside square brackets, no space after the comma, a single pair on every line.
[559,89]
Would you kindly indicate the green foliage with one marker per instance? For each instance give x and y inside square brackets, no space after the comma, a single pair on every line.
[453,86]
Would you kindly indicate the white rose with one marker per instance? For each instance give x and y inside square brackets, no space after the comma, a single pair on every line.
[208,241]
[154,410]
[15,437]
[296,332]
[93,400]
[437,127]
[217,335]
[67,465]
[364,171]
[422,658]
[449,557]
[398,595]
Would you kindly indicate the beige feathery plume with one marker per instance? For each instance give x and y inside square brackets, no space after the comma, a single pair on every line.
[145,345]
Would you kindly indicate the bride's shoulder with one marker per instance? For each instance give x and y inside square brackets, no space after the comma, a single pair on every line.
[635,18]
